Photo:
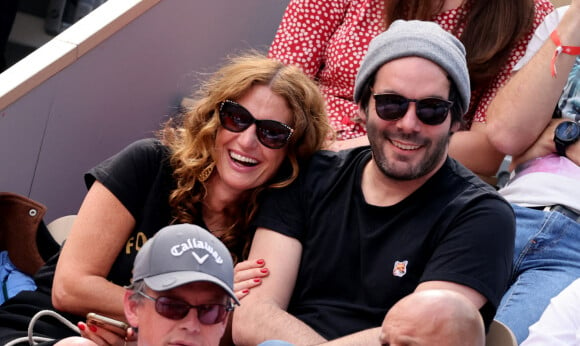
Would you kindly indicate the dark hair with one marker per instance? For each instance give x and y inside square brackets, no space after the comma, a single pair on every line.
[366,94]
[492,28]
[136,287]
[457,112]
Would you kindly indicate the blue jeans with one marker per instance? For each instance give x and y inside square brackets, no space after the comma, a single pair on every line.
[546,260]
[275,343]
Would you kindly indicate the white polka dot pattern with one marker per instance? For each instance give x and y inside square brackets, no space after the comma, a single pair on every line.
[329,38]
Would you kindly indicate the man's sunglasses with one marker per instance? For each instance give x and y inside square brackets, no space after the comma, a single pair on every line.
[272,134]
[176,309]
[430,110]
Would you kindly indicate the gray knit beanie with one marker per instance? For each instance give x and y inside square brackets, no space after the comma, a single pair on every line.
[417,38]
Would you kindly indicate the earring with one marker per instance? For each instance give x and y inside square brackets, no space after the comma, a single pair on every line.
[206,172]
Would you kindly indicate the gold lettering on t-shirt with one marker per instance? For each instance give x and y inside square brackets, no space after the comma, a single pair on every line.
[134,243]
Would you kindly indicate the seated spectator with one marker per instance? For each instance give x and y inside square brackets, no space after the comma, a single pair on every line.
[328,40]
[251,124]
[362,228]
[559,325]
[526,120]
[182,268]
[433,317]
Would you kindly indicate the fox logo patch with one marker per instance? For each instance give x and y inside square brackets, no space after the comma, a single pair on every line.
[400,268]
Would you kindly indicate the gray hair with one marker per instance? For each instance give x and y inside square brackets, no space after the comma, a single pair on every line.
[136,287]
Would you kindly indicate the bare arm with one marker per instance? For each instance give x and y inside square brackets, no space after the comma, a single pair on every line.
[545,145]
[97,236]
[522,109]
[371,336]
[262,314]
[473,149]
[474,296]
[365,337]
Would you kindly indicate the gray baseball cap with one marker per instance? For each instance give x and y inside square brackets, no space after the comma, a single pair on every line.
[417,38]
[181,254]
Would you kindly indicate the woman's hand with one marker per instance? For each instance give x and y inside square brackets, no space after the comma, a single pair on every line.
[104,337]
[247,275]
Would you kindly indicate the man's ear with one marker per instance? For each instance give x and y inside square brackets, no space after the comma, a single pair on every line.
[130,306]
[362,114]
[455,126]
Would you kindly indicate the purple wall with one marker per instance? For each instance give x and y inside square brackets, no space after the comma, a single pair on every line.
[120,91]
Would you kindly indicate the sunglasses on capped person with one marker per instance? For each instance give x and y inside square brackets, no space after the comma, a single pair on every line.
[175,309]
[271,133]
[430,110]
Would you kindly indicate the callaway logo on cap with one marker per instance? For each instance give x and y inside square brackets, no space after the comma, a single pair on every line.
[181,254]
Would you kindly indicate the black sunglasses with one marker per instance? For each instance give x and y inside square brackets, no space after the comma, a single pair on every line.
[430,110]
[176,309]
[272,134]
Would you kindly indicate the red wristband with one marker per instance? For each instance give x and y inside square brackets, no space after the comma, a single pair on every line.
[570,50]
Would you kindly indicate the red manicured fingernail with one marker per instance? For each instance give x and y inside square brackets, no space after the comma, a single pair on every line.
[246,291]
[260,261]
[81,326]
[264,270]
[257,280]
[93,329]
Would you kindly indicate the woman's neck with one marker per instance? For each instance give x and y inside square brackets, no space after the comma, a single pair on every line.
[218,204]
[451,4]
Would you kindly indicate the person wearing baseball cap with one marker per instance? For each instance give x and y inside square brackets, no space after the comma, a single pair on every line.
[181,292]
[362,228]
[182,268]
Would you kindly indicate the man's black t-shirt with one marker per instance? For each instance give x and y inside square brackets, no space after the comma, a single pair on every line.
[359,259]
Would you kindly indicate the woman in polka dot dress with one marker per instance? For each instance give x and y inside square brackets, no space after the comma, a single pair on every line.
[329,38]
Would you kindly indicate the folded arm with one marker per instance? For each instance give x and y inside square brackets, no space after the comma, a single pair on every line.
[98,234]
[523,108]
[545,145]
[372,336]
[473,149]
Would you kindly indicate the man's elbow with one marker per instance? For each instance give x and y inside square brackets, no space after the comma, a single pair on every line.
[242,328]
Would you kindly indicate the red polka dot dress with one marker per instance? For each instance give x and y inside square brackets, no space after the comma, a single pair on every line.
[329,38]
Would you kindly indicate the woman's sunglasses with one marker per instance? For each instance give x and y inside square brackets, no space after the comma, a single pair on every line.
[176,309]
[272,134]
[430,110]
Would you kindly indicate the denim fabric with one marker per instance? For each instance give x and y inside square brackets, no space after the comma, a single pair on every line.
[546,260]
[275,343]
[11,279]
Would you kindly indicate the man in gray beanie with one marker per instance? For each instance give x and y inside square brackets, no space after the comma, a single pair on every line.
[362,228]
[420,39]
